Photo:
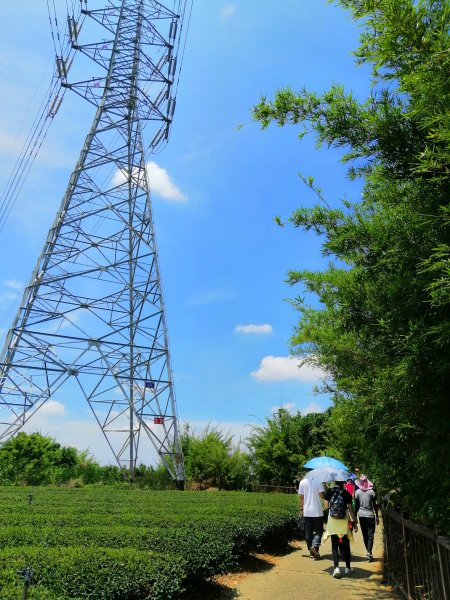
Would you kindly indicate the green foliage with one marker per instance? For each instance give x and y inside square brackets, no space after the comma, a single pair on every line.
[382,331]
[99,573]
[33,459]
[153,478]
[113,543]
[210,457]
[280,448]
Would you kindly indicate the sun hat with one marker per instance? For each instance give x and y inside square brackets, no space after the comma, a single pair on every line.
[363,483]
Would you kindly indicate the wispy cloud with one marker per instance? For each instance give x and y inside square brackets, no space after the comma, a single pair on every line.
[13,284]
[227,11]
[281,368]
[291,408]
[212,296]
[312,407]
[253,328]
[52,420]
[159,179]
[54,155]
[10,294]
[52,408]
[81,434]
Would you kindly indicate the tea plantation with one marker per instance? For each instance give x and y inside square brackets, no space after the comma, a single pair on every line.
[130,544]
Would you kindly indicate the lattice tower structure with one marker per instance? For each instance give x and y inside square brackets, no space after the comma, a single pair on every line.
[92,318]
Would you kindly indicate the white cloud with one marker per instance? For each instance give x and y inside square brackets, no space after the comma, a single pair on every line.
[54,155]
[10,145]
[85,434]
[291,408]
[280,368]
[227,11]
[160,182]
[217,295]
[9,297]
[81,434]
[52,408]
[253,328]
[14,284]
[312,407]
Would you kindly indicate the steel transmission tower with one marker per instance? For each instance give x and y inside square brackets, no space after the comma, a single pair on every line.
[91,322]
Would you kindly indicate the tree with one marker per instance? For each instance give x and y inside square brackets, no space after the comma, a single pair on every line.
[153,478]
[33,459]
[285,443]
[382,329]
[210,457]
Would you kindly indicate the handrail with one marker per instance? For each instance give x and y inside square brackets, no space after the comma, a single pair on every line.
[417,559]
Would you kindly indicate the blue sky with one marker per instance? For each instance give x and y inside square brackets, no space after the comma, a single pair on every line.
[216,187]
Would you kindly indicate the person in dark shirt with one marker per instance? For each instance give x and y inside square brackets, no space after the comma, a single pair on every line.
[339,504]
[367,511]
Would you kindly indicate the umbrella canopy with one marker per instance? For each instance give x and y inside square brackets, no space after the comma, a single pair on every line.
[324,461]
[325,474]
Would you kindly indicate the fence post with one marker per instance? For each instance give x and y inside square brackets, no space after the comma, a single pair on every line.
[441,568]
[27,574]
[385,536]
[408,585]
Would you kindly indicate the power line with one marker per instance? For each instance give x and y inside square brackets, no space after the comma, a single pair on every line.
[48,108]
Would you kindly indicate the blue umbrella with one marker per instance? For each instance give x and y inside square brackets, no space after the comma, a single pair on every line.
[325,474]
[324,461]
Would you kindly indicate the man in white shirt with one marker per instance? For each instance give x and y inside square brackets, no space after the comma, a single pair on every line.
[310,494]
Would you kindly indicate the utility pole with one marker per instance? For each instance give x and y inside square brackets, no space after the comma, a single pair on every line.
[92,321]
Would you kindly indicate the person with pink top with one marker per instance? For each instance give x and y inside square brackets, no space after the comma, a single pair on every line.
[367,512]
[350,487]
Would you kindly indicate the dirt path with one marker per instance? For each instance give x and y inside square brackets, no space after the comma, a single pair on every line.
[297,576]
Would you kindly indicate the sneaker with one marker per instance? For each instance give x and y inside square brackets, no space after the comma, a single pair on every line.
[349,571]
[314,553]
[337,573]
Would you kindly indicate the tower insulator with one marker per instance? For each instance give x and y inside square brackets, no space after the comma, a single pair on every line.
[171,107]
[54,106]
[173,29]
[172,67]
[61,67]
[73,29]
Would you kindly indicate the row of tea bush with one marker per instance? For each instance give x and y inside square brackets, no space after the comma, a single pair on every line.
[131,544]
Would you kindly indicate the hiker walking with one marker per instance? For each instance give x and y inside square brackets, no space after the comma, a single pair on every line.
[310,495]
[367,511]
[339,527]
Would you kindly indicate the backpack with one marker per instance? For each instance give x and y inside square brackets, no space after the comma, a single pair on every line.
[338,508]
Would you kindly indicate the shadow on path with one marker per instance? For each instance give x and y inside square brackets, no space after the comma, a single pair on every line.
[293,575]
[211,590]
